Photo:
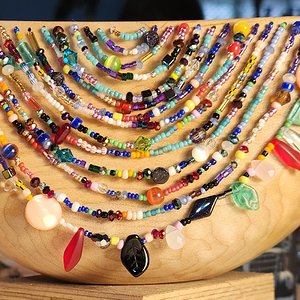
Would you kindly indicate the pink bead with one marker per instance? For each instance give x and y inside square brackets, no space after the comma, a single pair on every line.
[276,105]
[251,172]
[178,225]
[148,237]
[43,213]
[196,114]
[12,118]
[120,244]
[94,186]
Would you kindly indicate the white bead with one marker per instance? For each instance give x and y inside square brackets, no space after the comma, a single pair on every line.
[172,171]
[196,100]
[195,83]
[38,86]
[61,197]
[148,237]
[289,78]
[139,215]
[75,206]
[226,145]
[125,174]
[217,156]
[200,153]
[134,51]
[73,28]
[156,112]
[8,70]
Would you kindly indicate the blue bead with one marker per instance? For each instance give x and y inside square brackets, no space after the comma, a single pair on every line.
[86,210]
[9,151]
[42,138]
[287,86]
[182,164]
[76,122]
[166,207]
[296,27]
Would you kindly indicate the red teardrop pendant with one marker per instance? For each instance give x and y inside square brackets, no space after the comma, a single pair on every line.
[73,251]
[286,154]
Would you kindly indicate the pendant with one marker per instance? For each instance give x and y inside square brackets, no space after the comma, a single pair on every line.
[134,256]
[73,251]
[244,196]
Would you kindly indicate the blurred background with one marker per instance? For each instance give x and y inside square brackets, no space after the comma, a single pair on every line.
[284,259]
[134,10]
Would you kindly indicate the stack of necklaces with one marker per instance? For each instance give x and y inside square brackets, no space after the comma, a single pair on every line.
[186,86]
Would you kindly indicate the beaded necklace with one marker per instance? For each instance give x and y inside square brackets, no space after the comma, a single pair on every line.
[242,195]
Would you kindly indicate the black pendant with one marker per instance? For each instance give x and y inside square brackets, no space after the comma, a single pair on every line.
[203,208]
[134,256]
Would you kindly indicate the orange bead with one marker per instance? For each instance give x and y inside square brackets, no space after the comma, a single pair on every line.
[282,97]
[124,214]
[155,196]
[271,146]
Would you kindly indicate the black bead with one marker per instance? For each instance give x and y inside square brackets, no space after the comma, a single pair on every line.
[190,178]
[80,128]
[85,129]
[112,173]
[169,94]
[96,135]
[146,95]
[176,203]
[171,82]
[211,56]
[168,60]
[46,189]
[160,175]
[104,214]
[265,153]
[129,97]
[134,256]
[175,52]
[216,116]
[151,38]
[203,207]
[84,48]
[83,179]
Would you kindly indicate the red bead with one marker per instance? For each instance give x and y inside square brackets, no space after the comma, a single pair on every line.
[50,194]
[155,196]
[235,48]
[146,117]
[33,104]
[244,149]
[151,125]
[155,233]
[124,107]
[183,26]
[195,175]
[73,251]
[206,102]
[119,215]
[288,155]
[111,216]
[88,184]
[62,133]
[161,234]
[157,126]
[139,175]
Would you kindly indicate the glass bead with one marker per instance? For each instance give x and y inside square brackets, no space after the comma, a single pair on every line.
[282,97]
[27,53]
[134,256]
[228,146]
[70,57]
[242,27]
[155,196]
[64,155]
[200,152]
[151,38]
[197,135]
[9,173]
[73,251]
[174,238]
[203,207]
[294,115]
[233,139]
[291,137]
[142,143]
[9,151]
[263,169]
[288,77]
[113,62]
[235,48]
[7,70]
[43,213]
[62,133]
[244,196]
[160,175]
[286,154]
[296,27]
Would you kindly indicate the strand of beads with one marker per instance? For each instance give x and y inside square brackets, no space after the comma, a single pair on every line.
[112,65]
[139,63]
[126,35]
[150,39]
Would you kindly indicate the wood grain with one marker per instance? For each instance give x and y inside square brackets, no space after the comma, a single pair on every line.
[229,238]
[230,286]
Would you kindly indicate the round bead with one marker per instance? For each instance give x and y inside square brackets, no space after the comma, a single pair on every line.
[61,197]
[43,213]
[151,38]
[217,156]
[200,153]
[244,179]
[155,196]
[172,171]
[276,105]
[190,104]
[9,151]
[160,175]
[228,146]
[183,26]
[75,206]
[240,154]
[8,70]
[288,77]
[242,27]
[120,245]
[73,28]
[113,63]
[251,172]
[114,240]
[38,86]
[235,48]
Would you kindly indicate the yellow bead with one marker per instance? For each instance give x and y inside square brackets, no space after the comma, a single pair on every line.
[179,125]
[20,36]
[174,76]
[242,27]
[261,157]
[117,116]
[3,86]
[271,146]
[29,197]
[244,179]
[76,33]
[3,140]
[147,154]
[142,154]
[190,104]
[119,173]
[240,154]
[9,113]
[138,155]
[114,240]
[130,173]
[269,150]
[66,69]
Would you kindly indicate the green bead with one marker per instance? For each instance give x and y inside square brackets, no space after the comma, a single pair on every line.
[244,196]
[113,63]
[64,155]
[70,57]
[294,115]
[27,53]
[142,143]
